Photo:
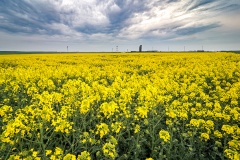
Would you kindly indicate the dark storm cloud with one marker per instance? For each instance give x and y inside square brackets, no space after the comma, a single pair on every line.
[196,29]
[21,16]
[127,9]
[200,3]
[228,8]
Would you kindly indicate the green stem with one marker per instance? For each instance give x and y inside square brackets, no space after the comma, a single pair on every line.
[170,146]
[42,142]
[49,138]
[8,153]
[137,148]
[161,154]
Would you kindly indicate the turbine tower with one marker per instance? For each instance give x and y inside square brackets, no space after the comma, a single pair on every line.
[140,48]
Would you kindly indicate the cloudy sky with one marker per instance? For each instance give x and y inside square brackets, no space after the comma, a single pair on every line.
[101,25]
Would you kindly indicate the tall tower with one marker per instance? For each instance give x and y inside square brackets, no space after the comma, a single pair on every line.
[140,48]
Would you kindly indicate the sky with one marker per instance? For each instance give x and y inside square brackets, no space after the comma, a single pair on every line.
[119,25]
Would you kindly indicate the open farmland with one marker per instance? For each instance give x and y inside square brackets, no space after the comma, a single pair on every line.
[120,106]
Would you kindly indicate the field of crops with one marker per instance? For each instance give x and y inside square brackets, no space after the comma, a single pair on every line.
[120,106]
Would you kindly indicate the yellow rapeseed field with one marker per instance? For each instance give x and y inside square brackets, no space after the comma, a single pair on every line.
[120,106]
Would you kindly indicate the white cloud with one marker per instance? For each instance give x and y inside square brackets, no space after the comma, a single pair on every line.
[164,19]
[64,29]
[85,12]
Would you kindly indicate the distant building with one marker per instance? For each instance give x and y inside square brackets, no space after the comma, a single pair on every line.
[140,48]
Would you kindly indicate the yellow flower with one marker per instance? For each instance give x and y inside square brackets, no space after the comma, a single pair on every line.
[69,157]
[218,134]
[228,129]
[232,154]
[117,126]
[109,109]
[34,154]
[209,124]
[58,151]
[112,140]
[102,129]
[84,141]
[85,106]
[53,157]
[48,152]
[84,156]
[15,157]
[109,150]
[234,144]
[137,128]
[169,122]
[204,136]
[164,135]
[142,111]
[171,114]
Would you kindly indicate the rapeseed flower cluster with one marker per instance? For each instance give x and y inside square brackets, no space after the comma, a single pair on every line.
[120,106]
[164,135]
[102,129]
[84,156]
